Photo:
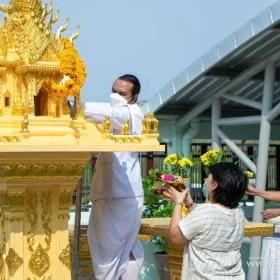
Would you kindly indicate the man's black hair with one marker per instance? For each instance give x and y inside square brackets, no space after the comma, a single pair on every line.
[232,184]
[134,80]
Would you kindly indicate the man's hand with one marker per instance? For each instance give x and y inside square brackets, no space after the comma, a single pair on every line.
[270,213]
[251,190]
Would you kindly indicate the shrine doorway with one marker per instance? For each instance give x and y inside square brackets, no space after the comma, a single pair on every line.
[41,101]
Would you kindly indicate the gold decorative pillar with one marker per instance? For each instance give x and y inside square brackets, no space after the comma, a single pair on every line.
[79,113]
[175,257]
[36,195]
[29,80]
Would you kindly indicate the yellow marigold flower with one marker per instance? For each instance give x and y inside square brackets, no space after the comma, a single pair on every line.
[205,157]
[249,174]
[166,160]
[205,160]
[185,161]
[171,159]
[173,156]
[69,83]
[181,163]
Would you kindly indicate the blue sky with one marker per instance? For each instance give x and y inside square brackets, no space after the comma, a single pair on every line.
[153,39]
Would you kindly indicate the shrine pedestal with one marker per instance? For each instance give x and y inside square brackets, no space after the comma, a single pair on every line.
[36,195]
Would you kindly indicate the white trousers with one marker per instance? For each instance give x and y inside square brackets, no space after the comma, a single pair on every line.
[112,236]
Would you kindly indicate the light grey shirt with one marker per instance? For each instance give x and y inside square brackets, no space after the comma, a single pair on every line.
[215,237]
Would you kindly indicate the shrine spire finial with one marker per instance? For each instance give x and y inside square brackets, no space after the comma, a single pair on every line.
[62,28]
[75,35]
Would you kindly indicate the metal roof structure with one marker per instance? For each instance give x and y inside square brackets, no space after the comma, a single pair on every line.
[237,82]
[249,45]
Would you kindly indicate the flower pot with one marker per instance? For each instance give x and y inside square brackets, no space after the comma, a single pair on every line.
[162,265]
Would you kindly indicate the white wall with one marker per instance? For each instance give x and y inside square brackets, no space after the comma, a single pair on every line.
[248,132]
[167,130]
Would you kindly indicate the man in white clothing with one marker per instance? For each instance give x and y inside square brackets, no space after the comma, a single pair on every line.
[116,193]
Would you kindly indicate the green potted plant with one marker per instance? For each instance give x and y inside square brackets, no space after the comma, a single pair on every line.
[154,207]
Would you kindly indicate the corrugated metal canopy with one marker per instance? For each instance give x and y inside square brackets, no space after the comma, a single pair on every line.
[253,42]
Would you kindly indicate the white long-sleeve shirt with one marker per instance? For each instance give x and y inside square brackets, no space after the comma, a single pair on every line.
[116,174]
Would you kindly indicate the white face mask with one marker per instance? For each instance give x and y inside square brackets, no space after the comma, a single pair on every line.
[117,100]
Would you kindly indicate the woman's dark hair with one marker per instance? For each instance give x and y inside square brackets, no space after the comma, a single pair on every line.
[232,184]
[132,79]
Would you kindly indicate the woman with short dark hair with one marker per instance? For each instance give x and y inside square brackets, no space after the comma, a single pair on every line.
[213,232]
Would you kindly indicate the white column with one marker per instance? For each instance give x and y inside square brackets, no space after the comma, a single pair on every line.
[241,155]
[263,148]
[216,115]
[188,136]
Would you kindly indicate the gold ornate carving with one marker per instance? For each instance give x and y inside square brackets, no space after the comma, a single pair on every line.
[3,196]
[46,218]
[11,63]
[40,69]
[45,278]
[84,254]
[65,256]
[10,139]
[14,219]
[31,199]
[15,200]
[3,237]
[47,55]
[3,199]
[258,231]
[13,261]
[2,70]
[64,217]
[150,124]
[2,264]
[124,128]
[105,126]
[20,25]
[154,230]
[44,171]
[144,237]
[39,262]
[25,123]
[17,109]
[65,199]
[251,229]
[65,107]
[127,140]
[4,44]
[34,5]
[39,83]
[28,108]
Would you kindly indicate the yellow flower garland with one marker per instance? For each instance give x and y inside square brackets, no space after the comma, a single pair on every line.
[70,65]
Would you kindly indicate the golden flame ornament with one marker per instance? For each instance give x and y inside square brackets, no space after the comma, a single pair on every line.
[13,261]
[39,262]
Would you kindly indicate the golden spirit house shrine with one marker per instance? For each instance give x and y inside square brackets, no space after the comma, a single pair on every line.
[42,149]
